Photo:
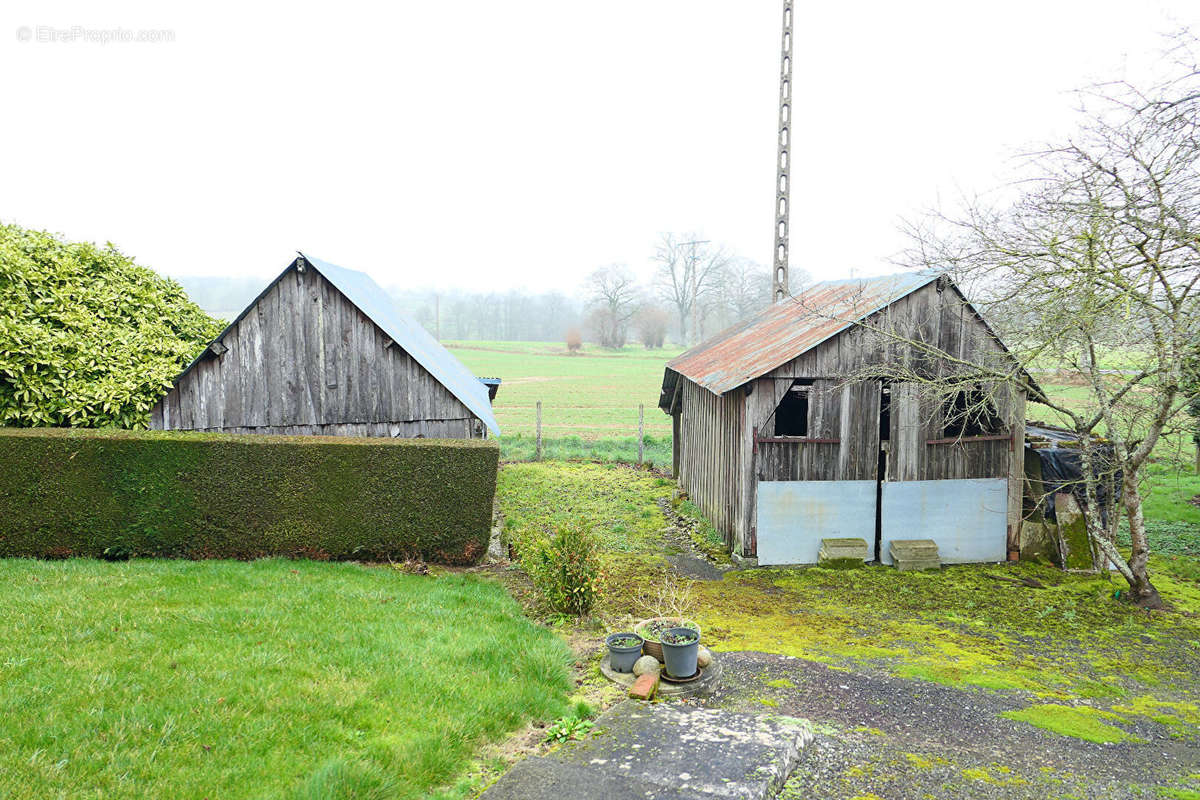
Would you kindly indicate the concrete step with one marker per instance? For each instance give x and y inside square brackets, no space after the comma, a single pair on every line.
[664,751]
[540,778]
[839,549]
[913,548]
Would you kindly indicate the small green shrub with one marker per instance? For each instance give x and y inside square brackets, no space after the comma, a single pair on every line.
[567,569]
[567,728]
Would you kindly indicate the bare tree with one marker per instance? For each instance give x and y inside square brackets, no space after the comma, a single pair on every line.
[1093,273]
[689,271]
[613,296]
[746,288]
[743,290]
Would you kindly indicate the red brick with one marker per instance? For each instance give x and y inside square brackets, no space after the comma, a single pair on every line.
[645,686]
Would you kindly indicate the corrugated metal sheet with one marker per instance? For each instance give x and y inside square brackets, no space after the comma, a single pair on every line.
[406,332]
[788,329]
[794,516]
[967,518]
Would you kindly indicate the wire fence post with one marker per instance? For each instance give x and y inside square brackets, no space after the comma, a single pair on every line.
[641,433]
[538,455]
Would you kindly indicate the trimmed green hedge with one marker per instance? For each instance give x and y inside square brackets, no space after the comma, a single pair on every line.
[77,492]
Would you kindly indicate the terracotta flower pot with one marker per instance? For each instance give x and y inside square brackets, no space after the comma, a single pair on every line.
[651,645]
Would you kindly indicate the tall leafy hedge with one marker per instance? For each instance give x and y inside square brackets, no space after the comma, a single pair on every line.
[87,337]
[67,492]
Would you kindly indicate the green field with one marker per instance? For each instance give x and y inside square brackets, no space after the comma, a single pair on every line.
[589,411]
[293,680]
[593,394]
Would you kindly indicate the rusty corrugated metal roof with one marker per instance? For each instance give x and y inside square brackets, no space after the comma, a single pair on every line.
[788,329]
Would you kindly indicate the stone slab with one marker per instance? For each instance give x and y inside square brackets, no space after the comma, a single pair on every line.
[844,544]
[548,778]
[909,548]
[839,549]
[664,751]
[709,752]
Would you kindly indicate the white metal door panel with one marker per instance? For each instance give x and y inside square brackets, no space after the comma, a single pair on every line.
[794,516]
[967,518]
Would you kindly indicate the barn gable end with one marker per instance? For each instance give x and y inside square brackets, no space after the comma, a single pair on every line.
[858,433]
[304,359]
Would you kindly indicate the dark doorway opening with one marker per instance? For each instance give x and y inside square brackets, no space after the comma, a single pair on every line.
[971,413]
[791,415]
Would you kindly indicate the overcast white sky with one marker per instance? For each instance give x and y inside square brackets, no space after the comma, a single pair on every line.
[521,144]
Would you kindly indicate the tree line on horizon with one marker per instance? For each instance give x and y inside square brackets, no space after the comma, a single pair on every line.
[697,289]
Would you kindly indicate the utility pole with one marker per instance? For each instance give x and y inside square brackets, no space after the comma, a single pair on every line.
[692,273]
[779,275]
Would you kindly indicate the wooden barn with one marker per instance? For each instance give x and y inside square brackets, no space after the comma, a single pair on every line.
[324,351]
[782,438]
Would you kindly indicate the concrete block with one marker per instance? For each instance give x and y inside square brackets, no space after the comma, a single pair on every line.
[905,565]
[909,554]
[842,550]
[914,548]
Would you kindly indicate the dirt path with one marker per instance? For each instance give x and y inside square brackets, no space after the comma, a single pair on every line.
[887,737]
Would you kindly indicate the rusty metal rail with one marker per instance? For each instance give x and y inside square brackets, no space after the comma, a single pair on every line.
[999,437]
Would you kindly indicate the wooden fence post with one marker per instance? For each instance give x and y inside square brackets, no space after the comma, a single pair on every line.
[538,457]
[641,433]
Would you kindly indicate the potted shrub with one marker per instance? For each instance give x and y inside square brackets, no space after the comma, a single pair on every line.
[681,646]
[651,631]
[623,650]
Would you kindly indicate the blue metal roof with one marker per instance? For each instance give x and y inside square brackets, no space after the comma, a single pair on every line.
[408,334]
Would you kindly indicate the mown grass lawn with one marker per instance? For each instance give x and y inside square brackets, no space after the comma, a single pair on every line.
[270,679]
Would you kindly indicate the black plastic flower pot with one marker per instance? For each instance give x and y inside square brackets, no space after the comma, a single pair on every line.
[680,647]
[624,649]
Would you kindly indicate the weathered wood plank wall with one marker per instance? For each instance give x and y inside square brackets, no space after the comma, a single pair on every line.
[305,360]
[710,457]
[849,411]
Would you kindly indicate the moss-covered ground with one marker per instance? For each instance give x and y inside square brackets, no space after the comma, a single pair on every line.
[1075,638]
[1074,658]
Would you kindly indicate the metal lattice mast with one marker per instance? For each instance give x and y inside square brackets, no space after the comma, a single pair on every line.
[779,275]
